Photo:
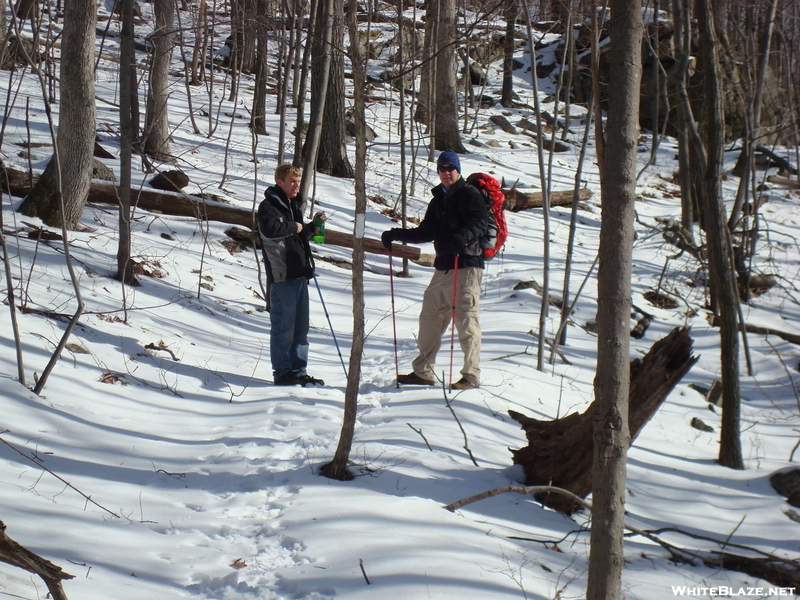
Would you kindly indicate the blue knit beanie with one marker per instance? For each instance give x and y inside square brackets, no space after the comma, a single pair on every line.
[448,157]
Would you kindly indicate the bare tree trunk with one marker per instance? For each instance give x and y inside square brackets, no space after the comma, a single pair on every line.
[299,128]
[325,32]
[653,44]
[693,157]
[50,63]
[430,93]
[209,35]
[337,468]
[332,158]
[569,63]
[3,26]
[236,75]
[235,42]
[27,9]
[720,253]
[612,381]
[156,135]
[573,222]
[187,81]
[244,15]
[411,129]
[199,42]
[281,54]
[253,10]
[509,45]
[258,123]
[545,305]
[424,112]
[401,65]
[78,37]
[466,81]
[447,133]
[283,101]
[745,159]
[12,303]
[298,8]
[682,38]
[127,78]
[76,129]
[599,134]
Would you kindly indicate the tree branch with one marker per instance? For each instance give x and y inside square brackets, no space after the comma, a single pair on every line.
[778,571]
[14,554]
[61,479]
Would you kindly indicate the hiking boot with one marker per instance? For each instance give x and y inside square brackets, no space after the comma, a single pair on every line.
[463,384]
[414,379]
[306,380]
[289,378]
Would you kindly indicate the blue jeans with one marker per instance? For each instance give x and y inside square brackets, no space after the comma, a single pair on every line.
[288,333]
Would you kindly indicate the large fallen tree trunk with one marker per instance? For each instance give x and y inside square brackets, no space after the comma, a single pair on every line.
[792,338]
[792,183]
[784,335]
[14,554]
[18,183]
[560,452]
[517,200]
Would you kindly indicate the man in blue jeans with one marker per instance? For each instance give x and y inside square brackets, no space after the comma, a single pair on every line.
[289,264]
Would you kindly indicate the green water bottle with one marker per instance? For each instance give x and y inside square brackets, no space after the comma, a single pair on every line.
[319,229]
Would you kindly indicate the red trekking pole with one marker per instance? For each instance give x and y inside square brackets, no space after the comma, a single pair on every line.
[453,319]
[394,322]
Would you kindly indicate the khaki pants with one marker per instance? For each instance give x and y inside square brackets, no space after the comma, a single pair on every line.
[435,317]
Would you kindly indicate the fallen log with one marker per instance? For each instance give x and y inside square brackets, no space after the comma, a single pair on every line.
[791,183]
[18,183]
[560,452]
[784,335]
[517,200]
[777,160]
[14,554]
[787,336]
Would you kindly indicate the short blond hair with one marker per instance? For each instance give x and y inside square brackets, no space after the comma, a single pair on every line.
[287,170]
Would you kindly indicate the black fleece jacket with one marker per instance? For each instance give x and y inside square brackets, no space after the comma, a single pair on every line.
[455,221]
[287,254]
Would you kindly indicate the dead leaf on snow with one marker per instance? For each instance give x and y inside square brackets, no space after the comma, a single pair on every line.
[77,348]
[112,378]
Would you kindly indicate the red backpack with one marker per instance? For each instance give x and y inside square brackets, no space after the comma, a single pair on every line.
[495,199]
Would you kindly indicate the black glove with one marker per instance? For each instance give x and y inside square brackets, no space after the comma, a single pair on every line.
[454,246]
[387,237]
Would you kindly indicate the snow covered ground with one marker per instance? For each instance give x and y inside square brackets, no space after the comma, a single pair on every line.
[191,476]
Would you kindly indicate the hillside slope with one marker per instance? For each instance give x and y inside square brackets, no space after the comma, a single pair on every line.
[203,475]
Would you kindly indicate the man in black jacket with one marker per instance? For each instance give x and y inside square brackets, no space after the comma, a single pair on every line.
[289,264]
[455,221]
